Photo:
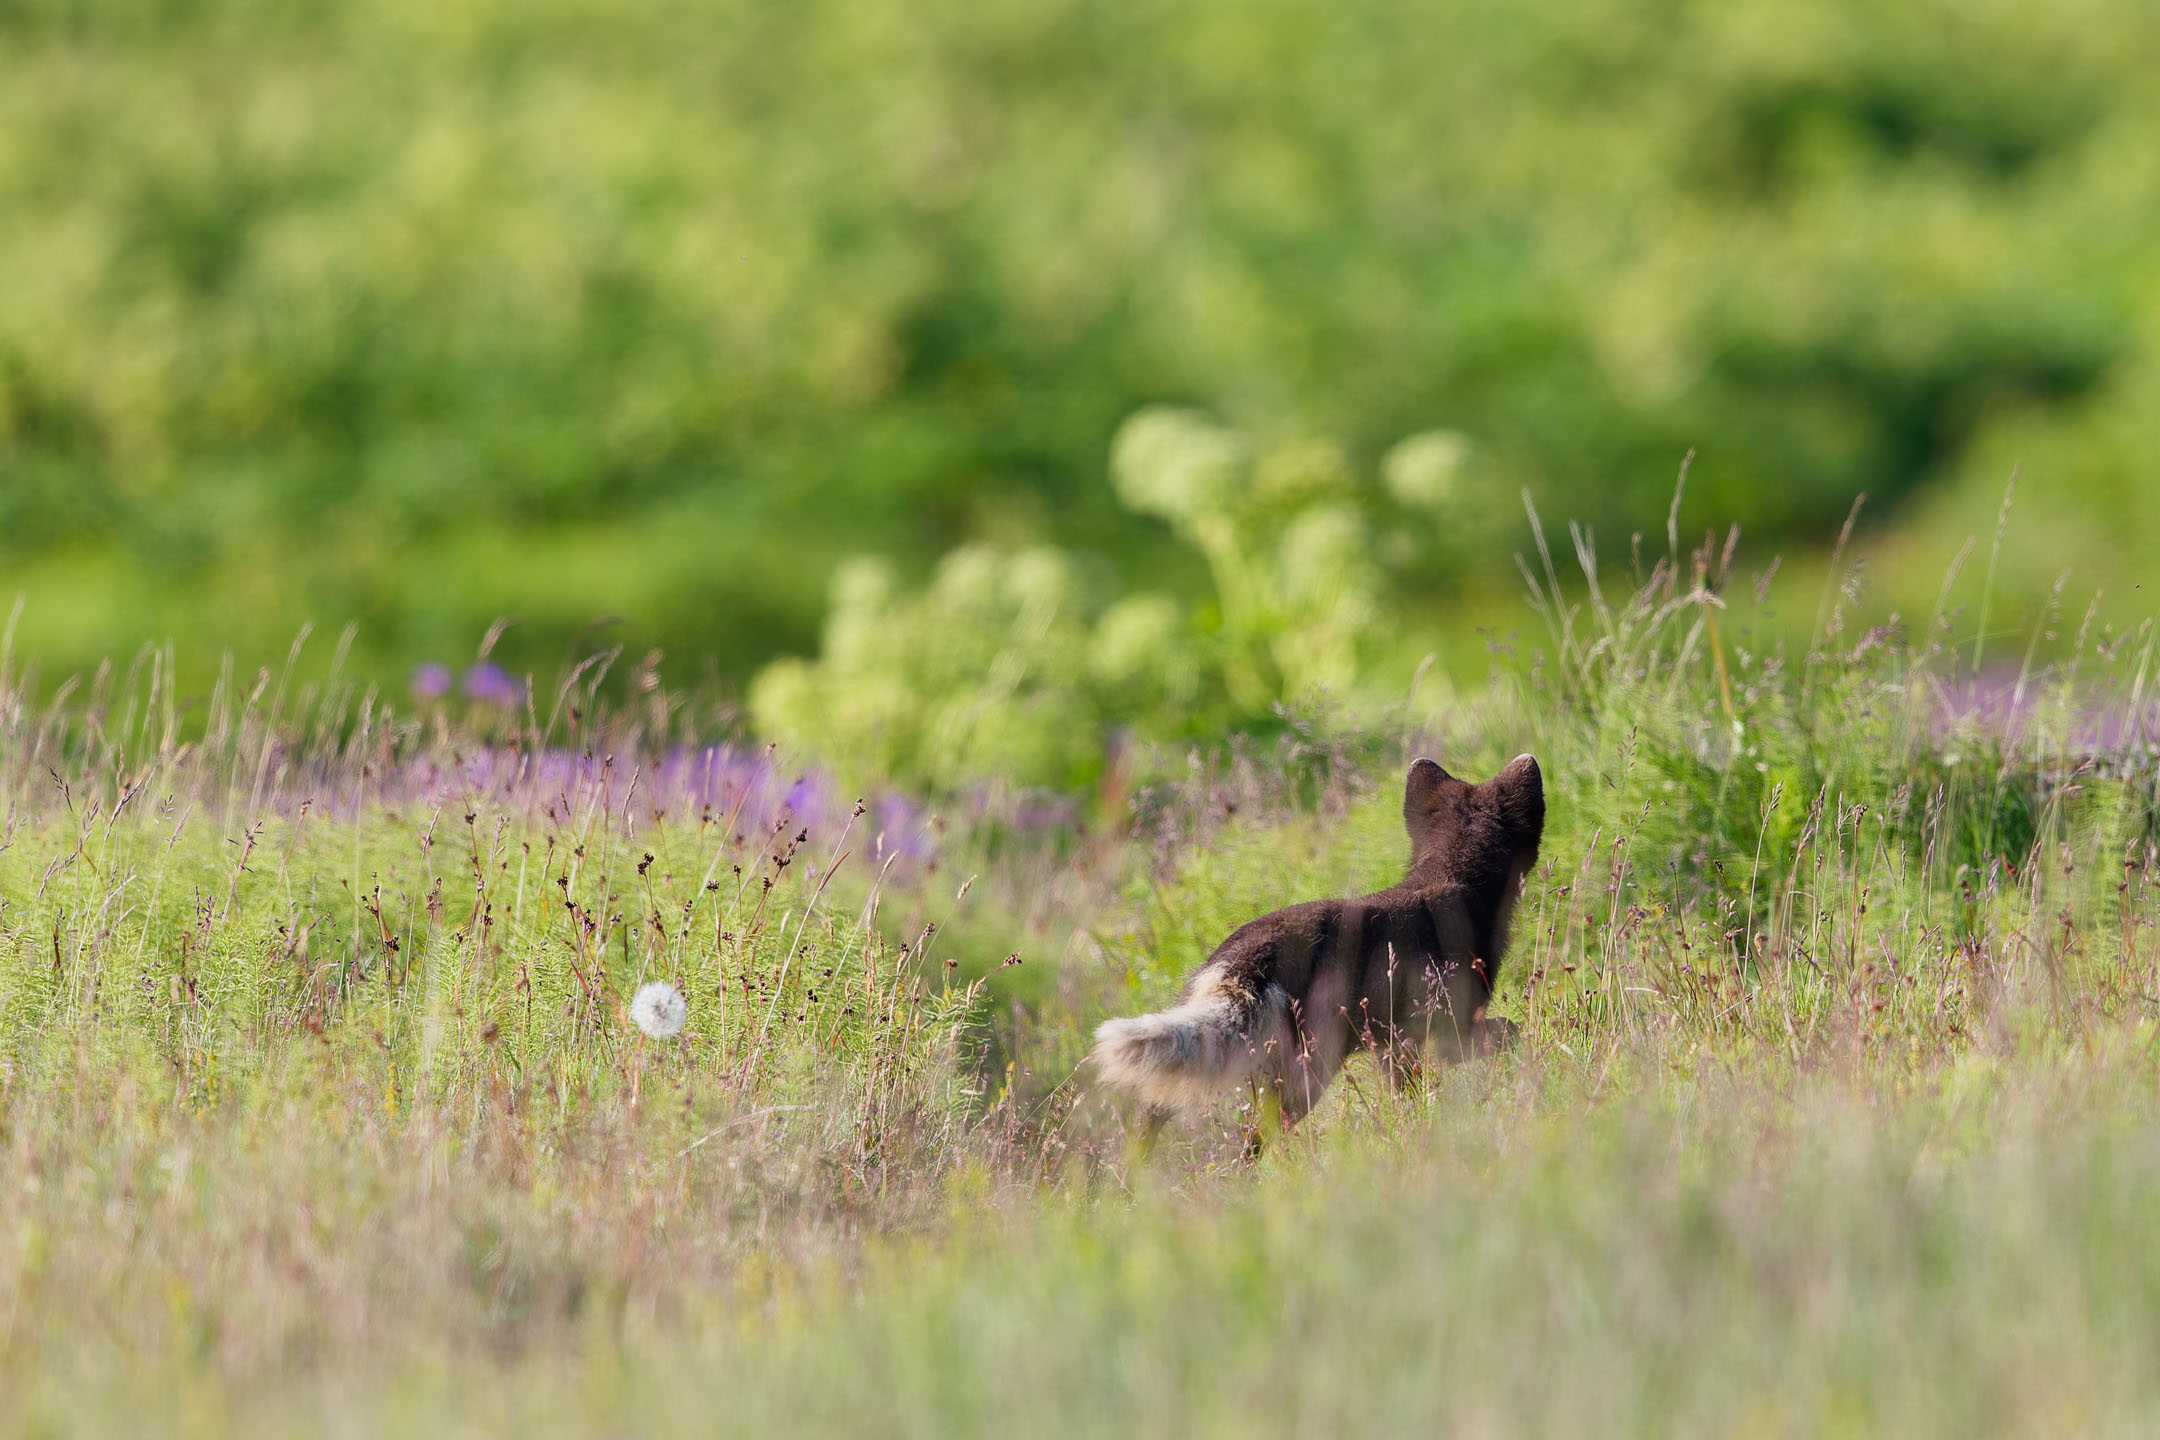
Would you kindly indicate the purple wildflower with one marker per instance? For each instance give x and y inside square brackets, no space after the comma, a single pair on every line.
[904,831]
[490,684]
[805,799]
[431,681]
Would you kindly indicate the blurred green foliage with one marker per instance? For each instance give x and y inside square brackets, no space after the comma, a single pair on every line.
[423,313]
[1023,665]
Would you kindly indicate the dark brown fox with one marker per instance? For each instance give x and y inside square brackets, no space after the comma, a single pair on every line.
[1286,999]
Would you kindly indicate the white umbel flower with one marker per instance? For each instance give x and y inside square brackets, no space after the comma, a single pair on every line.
[659,1010]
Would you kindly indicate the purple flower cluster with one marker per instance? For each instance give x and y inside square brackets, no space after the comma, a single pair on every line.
[713,780]
[490,684]
[485,683]
[713,784]
[2003,707]
[900,828]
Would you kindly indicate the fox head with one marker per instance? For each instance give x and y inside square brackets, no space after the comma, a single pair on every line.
[1483,837]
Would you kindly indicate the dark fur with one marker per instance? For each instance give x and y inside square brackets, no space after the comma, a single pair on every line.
[1286,999]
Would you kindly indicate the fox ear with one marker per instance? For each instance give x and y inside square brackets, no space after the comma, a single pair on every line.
[1425,778]
[1523,783]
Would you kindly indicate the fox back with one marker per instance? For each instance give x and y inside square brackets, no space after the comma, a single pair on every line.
[1405,971]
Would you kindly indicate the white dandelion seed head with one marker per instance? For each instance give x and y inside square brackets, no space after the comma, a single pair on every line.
[659,1010]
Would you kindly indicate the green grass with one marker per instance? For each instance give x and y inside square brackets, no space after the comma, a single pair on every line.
[1836,1109]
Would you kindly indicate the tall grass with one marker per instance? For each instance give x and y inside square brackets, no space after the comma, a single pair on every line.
[1833,1107]
[313,1026]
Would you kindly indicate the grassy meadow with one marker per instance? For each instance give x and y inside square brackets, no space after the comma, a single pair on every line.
[1004,487]
[1836,1106]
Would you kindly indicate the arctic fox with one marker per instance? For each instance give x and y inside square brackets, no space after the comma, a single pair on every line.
[1289,996]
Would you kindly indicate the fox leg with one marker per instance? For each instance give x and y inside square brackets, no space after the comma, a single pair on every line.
[1290,1082]
[1267,1119]
[1494,1033]
[1458,1024]
[1141,1145]
[1324,1032]
[1319,1057]
[1278,1105]
[1404,1063]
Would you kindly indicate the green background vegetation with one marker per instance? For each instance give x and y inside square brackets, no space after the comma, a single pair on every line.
[419,315]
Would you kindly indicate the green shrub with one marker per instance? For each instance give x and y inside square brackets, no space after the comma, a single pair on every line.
[661,311]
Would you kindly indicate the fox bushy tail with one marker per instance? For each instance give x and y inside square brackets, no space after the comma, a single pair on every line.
[1183,1057]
